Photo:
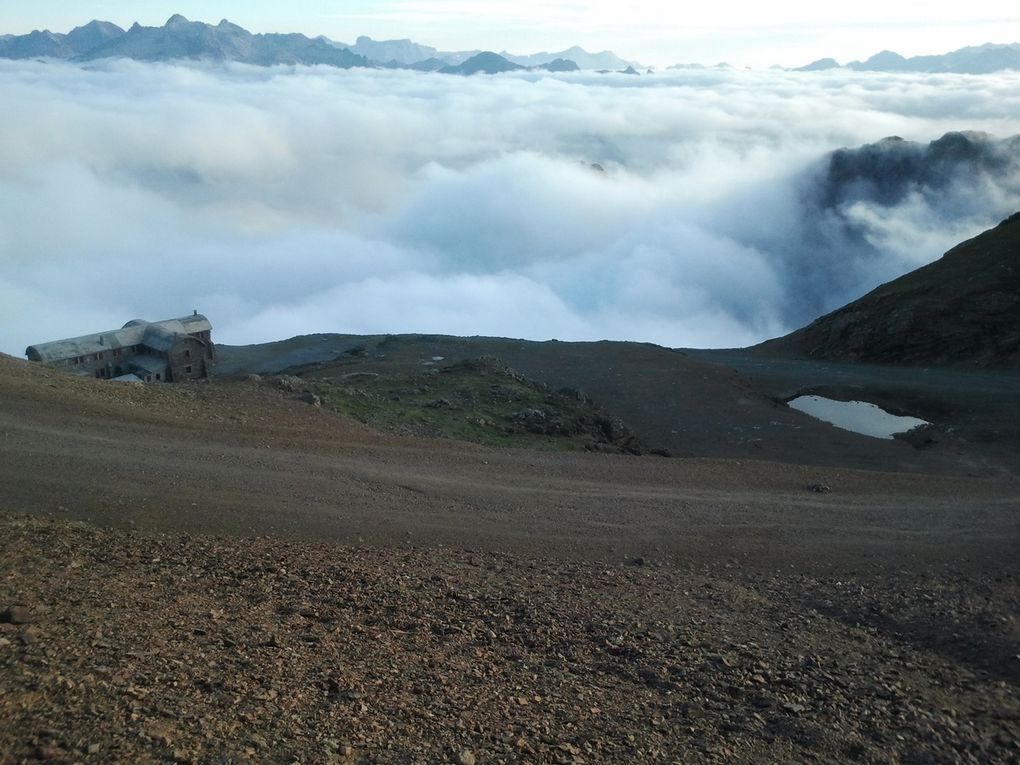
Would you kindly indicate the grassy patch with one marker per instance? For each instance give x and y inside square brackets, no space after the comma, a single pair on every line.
[478,400]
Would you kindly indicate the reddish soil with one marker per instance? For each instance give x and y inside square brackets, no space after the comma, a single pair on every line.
[221,573]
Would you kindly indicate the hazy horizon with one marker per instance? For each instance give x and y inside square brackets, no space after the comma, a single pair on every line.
[787,33]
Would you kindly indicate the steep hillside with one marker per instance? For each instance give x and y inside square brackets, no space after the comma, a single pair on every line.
[962,310]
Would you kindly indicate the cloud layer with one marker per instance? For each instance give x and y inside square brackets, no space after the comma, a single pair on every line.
[290,201]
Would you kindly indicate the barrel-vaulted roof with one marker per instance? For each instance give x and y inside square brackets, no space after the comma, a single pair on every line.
[162,335]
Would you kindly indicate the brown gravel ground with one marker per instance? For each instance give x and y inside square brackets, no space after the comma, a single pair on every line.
[265,582]
[177,648]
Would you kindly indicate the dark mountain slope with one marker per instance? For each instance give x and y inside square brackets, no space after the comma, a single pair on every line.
[841,240]
[963,309]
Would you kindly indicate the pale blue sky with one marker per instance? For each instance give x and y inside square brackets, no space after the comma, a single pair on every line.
[787,32]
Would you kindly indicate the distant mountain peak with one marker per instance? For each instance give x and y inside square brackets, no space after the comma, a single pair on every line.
[486,62]
[885,59]
[97,24]
[975,59]
[602,60]
[560,65]
[819,66]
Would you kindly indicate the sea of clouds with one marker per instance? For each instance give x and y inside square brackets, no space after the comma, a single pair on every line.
[297,200]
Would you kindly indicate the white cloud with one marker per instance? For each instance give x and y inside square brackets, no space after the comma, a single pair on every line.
[285,201]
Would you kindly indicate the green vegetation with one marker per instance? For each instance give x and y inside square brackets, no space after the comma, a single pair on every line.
[478,400]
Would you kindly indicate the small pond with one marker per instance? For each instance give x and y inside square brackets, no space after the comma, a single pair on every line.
[857,416]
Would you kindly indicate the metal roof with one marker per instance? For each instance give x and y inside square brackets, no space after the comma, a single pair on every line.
[161,337]
[135,332]
[147,364]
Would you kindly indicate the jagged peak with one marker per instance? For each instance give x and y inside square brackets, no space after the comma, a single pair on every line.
[1012,220]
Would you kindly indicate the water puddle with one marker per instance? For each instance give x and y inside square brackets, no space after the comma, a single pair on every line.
[857,416]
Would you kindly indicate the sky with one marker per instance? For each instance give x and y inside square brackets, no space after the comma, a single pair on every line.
[746,33]
[294,200]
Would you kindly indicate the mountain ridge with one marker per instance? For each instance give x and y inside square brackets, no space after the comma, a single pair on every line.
[182,39]
[974,59]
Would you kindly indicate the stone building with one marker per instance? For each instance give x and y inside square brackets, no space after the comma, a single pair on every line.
[141,351]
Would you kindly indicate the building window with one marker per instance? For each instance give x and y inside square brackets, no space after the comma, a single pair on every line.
[187,369]
[187,353]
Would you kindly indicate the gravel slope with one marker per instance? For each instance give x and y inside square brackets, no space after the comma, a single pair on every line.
[221,573]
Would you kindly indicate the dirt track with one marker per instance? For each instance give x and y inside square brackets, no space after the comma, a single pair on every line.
[376,599]
[245,459]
